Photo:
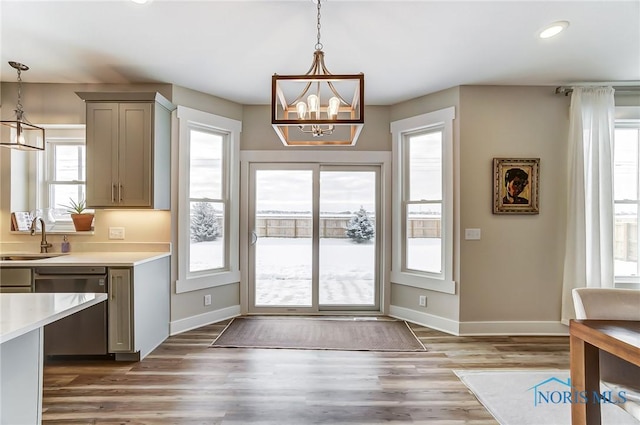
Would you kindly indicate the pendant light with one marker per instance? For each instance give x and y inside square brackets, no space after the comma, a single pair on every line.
[320,113]
[20,133]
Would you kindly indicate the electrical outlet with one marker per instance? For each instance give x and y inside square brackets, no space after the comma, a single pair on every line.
[116,232]
[422,301]
[472,234]
[207,299]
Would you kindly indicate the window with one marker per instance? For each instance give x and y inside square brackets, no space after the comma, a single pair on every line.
[60,172]
[208,200]
[423,201]
[626,194]
[65,175]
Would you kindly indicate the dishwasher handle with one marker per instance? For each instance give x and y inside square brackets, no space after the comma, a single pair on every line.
[70,270]
[67,277]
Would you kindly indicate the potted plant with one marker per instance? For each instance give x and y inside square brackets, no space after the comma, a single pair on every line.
[82,220]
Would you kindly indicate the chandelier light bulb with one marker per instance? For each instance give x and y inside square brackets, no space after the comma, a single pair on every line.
[301,108]
[334,106]
[314,103]
[19,138]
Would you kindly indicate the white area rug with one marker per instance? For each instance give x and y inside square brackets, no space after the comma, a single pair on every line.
[509,395]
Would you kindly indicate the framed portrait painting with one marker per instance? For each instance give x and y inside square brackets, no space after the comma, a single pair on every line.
[515,185]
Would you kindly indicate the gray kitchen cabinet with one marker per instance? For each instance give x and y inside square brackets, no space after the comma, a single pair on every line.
[138,308]
[128,147]
[16,280]
[120,311]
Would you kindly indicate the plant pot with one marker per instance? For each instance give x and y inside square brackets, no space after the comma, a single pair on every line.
[82,222]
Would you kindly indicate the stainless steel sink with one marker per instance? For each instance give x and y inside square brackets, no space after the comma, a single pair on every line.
[29,256]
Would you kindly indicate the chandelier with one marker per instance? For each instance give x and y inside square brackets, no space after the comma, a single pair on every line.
[319,112]
[20,133]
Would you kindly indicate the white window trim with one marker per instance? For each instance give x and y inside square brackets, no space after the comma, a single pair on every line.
[39,167]
[231,274]
[627,115]
[40,170]
[442,282]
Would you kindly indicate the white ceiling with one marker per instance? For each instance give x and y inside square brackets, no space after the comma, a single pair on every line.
[405,48]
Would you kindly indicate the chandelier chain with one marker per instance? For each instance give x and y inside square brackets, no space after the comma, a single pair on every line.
[318,44]
[19,112]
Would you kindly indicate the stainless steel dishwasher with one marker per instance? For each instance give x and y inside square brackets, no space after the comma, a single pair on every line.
[82,333]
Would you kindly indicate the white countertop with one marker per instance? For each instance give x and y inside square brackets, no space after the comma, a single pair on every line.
[22,313]
[106,259]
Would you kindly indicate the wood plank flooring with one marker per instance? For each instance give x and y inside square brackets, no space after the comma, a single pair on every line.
[186,382]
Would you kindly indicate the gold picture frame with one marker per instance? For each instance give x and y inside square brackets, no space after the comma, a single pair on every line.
[515,185]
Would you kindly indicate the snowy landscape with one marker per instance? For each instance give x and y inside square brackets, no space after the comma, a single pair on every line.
[283,269]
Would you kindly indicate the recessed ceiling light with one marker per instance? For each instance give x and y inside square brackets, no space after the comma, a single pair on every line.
[141,1]
[553,29]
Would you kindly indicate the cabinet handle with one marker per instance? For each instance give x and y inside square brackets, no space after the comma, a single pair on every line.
[113,196]
[120,193]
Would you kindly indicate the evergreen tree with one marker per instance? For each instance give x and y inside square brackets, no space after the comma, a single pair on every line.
[360,228]
[204,223]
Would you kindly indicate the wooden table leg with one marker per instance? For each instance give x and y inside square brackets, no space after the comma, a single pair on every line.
[585,380]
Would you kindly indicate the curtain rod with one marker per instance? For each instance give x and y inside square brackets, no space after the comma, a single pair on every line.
[567,90]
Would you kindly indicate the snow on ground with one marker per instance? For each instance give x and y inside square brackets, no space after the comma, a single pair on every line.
[283,272]
[347,269]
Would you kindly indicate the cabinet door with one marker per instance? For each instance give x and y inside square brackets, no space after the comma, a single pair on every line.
[120,311]
[102,154]
[135,154]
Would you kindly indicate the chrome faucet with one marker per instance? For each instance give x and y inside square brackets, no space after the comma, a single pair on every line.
[44,245]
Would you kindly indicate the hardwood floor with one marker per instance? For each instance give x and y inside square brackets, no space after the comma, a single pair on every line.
[184,381]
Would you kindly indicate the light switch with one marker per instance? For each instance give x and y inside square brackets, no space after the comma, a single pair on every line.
[472,234]
[116,232]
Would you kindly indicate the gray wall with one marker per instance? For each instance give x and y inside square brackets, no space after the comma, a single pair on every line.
[438,303]
[58,104]
[258,134]
[512,274]
[188,304]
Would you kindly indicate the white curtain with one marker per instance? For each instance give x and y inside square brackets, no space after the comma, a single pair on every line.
[588,258]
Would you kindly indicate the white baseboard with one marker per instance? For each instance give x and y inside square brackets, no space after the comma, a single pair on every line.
[513,328]
[479,328]
[178,326]
[425,319]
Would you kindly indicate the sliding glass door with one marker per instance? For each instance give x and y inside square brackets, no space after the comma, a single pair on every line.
[313,238]
[347,258]
[283,239]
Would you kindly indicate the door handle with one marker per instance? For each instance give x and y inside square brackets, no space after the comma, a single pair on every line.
[254,238]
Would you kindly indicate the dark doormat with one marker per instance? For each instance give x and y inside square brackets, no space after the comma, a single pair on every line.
[319,334]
